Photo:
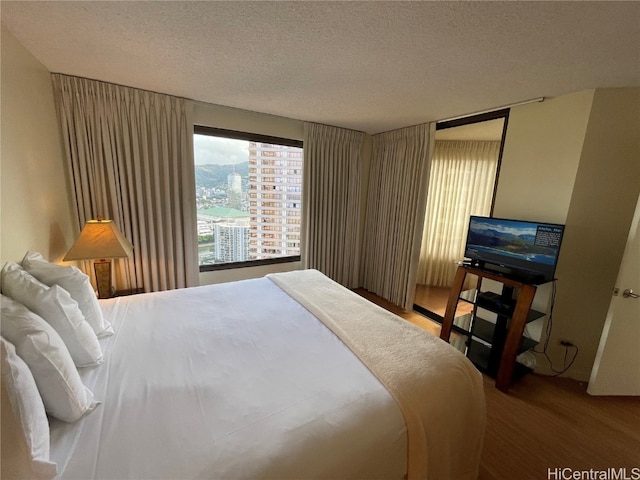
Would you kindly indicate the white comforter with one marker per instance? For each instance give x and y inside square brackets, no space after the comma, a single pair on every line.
[229,381]
[438,390]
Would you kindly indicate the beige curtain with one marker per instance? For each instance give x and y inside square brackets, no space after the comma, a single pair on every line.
[461,184]
[396,201]
[130,157]
[331,207]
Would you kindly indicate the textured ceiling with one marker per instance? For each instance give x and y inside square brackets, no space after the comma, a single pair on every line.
[370,66]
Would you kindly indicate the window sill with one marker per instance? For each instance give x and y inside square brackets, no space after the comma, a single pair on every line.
[250,263]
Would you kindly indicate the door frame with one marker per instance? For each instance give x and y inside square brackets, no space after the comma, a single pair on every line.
[484,117]
[460,122]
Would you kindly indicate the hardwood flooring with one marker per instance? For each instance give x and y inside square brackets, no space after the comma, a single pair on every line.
[547,423]
[435,299]
[415,318]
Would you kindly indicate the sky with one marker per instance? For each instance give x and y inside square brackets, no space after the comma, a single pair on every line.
[506,226]
[219,151]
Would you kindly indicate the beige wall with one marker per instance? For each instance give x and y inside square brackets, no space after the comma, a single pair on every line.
[602,205]
[574,160]
[33,165]
[35,204]
[247,121]
[539,164]
[252,122]
[540,158]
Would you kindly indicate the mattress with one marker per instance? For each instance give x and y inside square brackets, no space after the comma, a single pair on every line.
[286,377]
[229,381]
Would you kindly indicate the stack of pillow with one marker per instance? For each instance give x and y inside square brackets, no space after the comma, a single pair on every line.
[51,322]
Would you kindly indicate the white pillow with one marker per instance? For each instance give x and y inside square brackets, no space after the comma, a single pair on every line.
[24,420]
[73,281]
[63,393]
[56,306]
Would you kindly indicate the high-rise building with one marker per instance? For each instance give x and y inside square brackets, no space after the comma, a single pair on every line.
[232,242]
[234,191]
[219,231]
[234,181]
[275,200]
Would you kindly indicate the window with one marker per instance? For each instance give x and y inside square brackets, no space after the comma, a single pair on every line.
[245,193]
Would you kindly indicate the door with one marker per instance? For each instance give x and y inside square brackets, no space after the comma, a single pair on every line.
[462,182]
[616,370]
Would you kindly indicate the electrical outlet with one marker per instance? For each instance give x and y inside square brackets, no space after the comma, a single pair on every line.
[566,343]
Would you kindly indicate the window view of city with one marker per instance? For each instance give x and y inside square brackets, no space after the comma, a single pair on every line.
[248,198]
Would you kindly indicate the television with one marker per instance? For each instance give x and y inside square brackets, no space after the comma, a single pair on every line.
[528,250]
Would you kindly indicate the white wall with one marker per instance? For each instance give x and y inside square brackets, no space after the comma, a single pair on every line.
[35,201]
[252,122]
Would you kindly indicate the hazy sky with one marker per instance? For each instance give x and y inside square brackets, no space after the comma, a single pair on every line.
[505,226]
[220,151]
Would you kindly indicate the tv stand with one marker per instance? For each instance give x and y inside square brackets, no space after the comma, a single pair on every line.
[494,347]
[520,275]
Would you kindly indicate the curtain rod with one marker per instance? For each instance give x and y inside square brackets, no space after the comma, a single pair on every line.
[517,104]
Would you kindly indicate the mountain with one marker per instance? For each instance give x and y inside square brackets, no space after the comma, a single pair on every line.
[215,176]
[522,244]
[526,238]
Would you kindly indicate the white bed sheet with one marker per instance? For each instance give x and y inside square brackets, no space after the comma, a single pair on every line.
[245,384]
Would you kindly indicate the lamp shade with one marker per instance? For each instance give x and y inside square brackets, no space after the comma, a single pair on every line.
[99,239]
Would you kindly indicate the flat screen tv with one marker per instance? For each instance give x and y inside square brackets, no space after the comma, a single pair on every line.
[526,249]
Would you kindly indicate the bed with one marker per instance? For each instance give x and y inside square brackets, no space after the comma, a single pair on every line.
[290,376]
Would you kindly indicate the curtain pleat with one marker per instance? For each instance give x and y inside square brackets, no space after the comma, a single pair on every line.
[331,209]
[461,184]
[395,212]
[130,156]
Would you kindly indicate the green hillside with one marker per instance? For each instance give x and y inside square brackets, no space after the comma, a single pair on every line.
[215,176]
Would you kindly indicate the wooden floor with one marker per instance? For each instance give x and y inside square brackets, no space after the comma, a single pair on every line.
[546,423]
[435,299]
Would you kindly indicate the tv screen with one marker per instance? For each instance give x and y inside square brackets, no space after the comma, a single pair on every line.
[524,248]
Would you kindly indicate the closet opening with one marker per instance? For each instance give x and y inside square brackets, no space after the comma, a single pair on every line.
[463,179]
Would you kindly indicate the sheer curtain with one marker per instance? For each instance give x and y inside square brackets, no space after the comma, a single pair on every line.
[395,212]
[331,207]
[461,184]
[130,157]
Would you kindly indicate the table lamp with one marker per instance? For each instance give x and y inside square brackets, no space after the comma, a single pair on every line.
[101,240]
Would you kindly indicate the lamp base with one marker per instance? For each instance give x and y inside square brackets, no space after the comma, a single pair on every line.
[103,278]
